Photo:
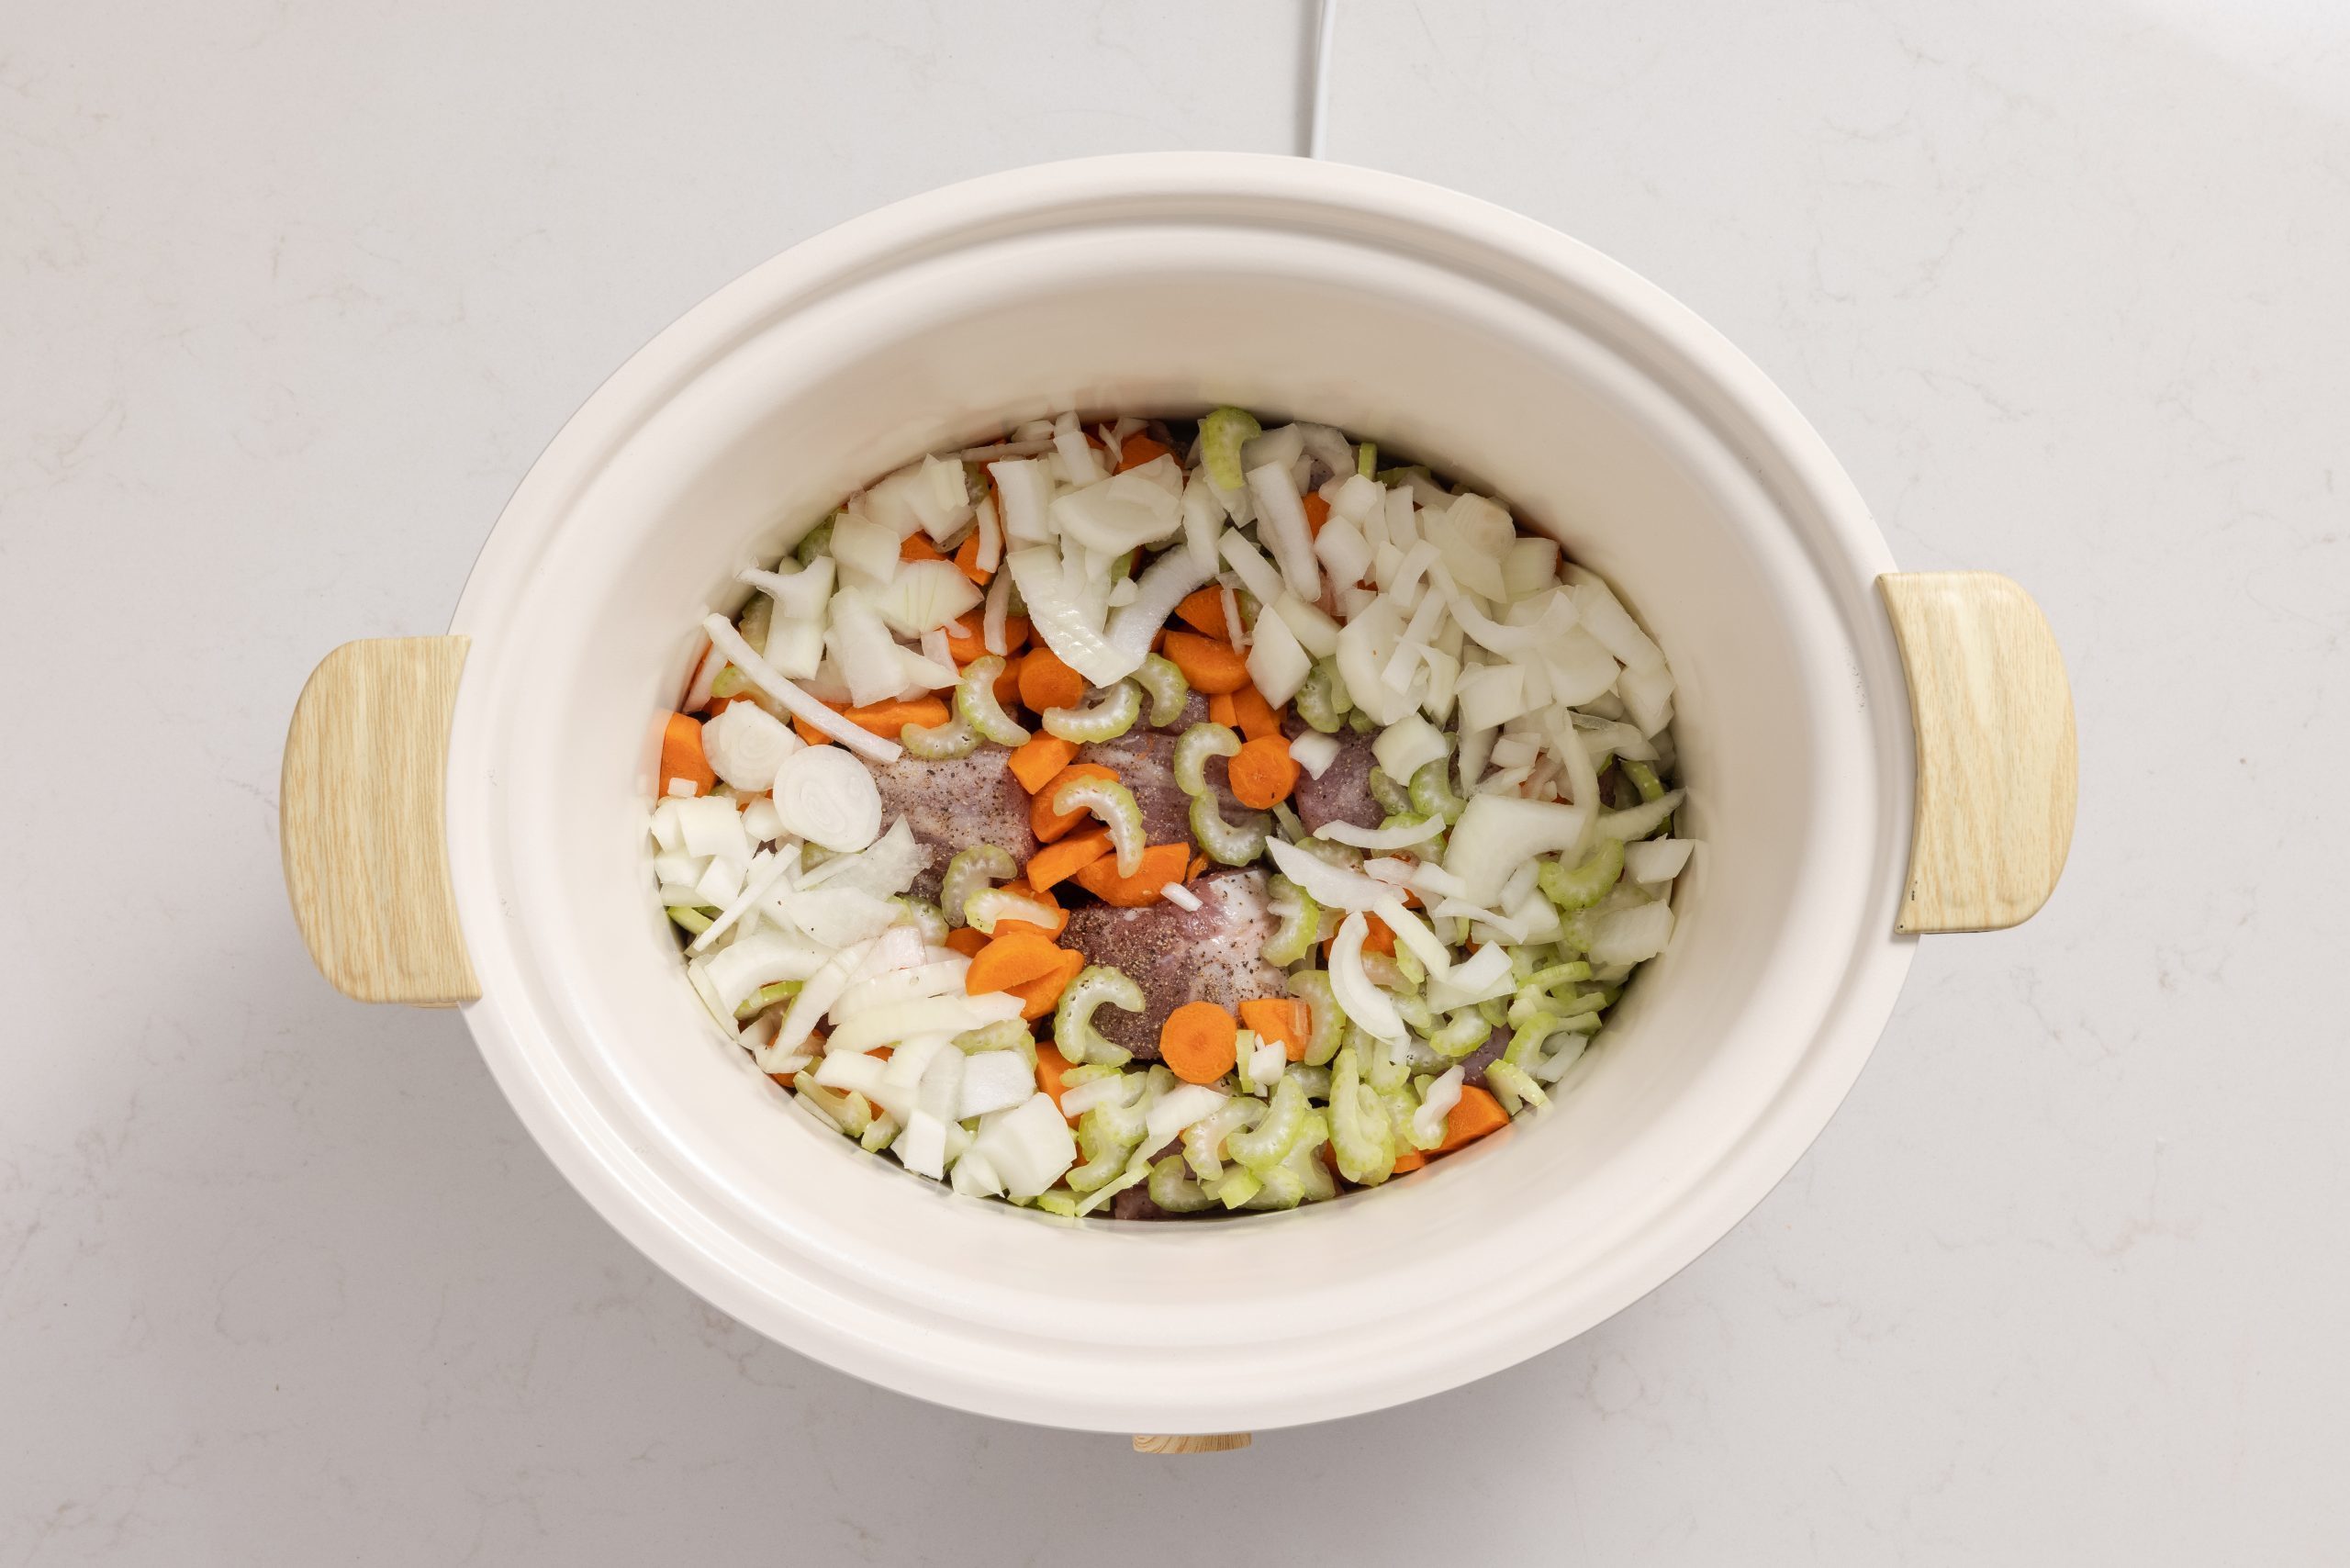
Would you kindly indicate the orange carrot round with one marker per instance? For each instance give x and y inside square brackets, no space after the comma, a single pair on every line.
[1046,682]
[1197,1042]
[966,941]
[1011,961]
[681,754]
[1202,610]
[966,649]
[1211,666]
[1058,862]
[1253,716]
[1263,774]
[1281,1019]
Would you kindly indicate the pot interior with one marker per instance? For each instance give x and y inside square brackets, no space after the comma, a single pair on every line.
[1557,399]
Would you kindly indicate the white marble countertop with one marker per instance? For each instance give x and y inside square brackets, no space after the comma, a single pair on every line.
[290,297]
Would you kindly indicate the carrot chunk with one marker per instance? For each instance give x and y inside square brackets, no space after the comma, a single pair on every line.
[1210,665]
[889,718]
[1036,761]
[966,649]
[1008,962]
[1056,862]
[1039,997]
[1281,1018]
[1223,709]
[1472,1117]
[1202,611]
[1138,449]
[1161,864]
[1051,1069]
[1254,716]
[916,546]
[966,941]
[681,754]
[1317,511]
[1046,682]
[1263,774]
[967,560]
[1197,1042]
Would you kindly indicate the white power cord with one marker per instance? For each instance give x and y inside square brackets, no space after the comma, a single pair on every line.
[1318,111]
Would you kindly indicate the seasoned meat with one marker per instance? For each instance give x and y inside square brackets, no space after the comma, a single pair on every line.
[951,805]
[1143,760]
[1134,1203]
[1215,953]
[1473,1065]
[1343,792]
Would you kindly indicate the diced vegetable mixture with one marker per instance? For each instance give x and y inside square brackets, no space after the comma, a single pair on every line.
[1168,819]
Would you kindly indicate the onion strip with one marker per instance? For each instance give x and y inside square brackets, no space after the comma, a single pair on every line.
[761,674]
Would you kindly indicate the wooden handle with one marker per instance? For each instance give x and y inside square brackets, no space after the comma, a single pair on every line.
[1195,1442]
[358,815]
[1997,767]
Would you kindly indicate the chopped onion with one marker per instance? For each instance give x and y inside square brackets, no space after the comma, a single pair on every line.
[1255,571]
[890,987]
[1179,895]
[765,872]
[921,1148]
[1177,1109]
[863,650]
[743,965]
[1281,513]
[1580,669]
[1472,534]
[826,796]
[1364,1004]
[1125,511]
[1333,887]
[865,548]
[1656,859]
[1026,486]
[990,551]
[836,917]
[1604,614]
[746,744]
[1233,632]
[1064,623]
[1648,698]
[1491,695]
[925,595]
[1342,547]
[1365,644]
[1507,928]
[1638,822]
[994,625]
[1400,837]
[1531,565]
[816,997]
[1202,514]
[1315,633]
[1412,933]
[710,825]
[1076,452]
[1480,977]
[1282,445]
[932,1015]
[705,670]
[1558,615]
[1314,752]
[1277,665]
[760,674]
[1496,834]
[1162,586]
[993,1081]
[1028,1147]
[1358,497]
[1632,936]
[1407,745]
[1437,1101]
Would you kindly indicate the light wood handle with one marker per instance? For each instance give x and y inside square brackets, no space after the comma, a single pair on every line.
[360,821]
[1997,763]
[1194,1442]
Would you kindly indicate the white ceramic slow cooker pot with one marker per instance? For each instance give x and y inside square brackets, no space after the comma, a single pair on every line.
[464,815]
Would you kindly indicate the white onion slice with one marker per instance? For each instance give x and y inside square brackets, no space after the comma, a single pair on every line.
[1063,621]
[1413,933]
[1402,836]
[1558,615]
[1178,1109]
[1632,936]
[1606,619]
[1179,895]
[995,623]
[1436,1103]
[1364,1004]
[816,997]
[933,1016]
[1496,834]
[757,671]
[1202,515]
[1162,586]
[1028,1147]
[766,870]
[827,797]
[1656,859]
[746,744]
[1277,665]
[1026,487]
[1314,752]
[1280,514]
[1333,887]
[1256,572]
[1407,745]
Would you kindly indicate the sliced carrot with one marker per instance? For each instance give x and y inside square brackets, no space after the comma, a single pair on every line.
[1223,709]
[1281,1018]
[916,546]
[1035,761]
[889,718]
[1038,997]
[1161,864]
[1210,665]
[1051,1069]
[1046,682]
[966,941]
[966,649]
[1007,685]
[1198,864]
[1263,774]
[1475,1114]
[967,560]
[681,754]
[1056,862]
[1254,715]
[1317,511]
[1197,1042]
[809,734]
[1009,961]
[1202,610]
[1408,1159]
[1050,824]
[1138,449]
